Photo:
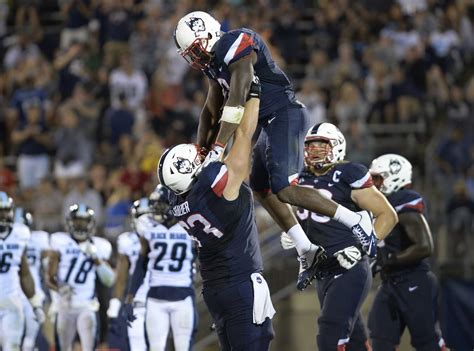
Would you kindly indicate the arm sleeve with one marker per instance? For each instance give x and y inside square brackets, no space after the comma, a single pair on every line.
[138,275]
[235,45]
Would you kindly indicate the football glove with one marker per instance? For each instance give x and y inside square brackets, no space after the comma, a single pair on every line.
[255,88]
[348,257]
[128,313]
[215,154]
[286,241]
[364,231]
[37,303]
[89,249]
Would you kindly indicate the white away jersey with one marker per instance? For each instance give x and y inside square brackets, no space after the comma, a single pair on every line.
[128,244]
[38,243]
[11,251]
[171,257]
[75,268]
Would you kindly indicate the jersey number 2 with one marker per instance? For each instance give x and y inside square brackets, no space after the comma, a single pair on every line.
[178,255]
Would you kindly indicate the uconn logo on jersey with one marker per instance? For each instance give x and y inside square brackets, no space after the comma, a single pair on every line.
[196,24]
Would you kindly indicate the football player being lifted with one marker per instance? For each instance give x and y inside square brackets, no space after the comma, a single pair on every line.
[408,295]
[230,61]
[128,247]
[77,259]
[15,278]
[36,251]
[344,278]
[167,257]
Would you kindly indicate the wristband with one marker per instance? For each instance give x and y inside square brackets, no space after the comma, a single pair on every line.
[232,114]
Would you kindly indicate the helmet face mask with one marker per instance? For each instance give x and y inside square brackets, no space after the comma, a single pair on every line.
[197,55]
[324,145]
[390,173]
[6,215]
[195,36]
[159,204]
[80,222]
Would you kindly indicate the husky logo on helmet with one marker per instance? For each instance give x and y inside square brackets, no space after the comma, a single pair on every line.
[183,165]
[395,166]
[196,24]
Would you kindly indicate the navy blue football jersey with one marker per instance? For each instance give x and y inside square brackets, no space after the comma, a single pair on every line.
[404,201]
[277,90]
[225,231]
[337,184]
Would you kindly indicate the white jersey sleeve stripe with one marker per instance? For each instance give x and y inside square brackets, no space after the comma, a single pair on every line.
[219,176]
[231,53]
[359,183]
[413,203]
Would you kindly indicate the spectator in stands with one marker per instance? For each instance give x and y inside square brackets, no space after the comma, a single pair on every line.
[143,44]
[47,206]
[33,141]
[452,156]
[317,68]
[133,84]
[23,48]
[28,94]
[81,192]
[98,178]
[118,122]
[86,109]
[345,67]
[70,65]
[349,105]
[360,143]
[314,100]
[74,150]
[460,211]
[115,19]
[77,14]
[457,110]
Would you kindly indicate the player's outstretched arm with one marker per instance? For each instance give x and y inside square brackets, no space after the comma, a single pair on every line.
[140,270]
[238,159]
[419,232]
[52,271]
[210,114]
[372,200]
[26,280]
[123,265]
[242,74]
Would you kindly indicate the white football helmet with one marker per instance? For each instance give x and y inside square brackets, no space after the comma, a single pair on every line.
[195,36]
[178,167]
[334,151]
[391,172]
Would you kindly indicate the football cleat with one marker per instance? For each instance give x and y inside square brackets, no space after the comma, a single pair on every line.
[309,265]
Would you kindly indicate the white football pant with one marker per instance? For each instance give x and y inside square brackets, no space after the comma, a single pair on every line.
[80,321]
[161,314]
[136,332]
[12,322]
[32,327]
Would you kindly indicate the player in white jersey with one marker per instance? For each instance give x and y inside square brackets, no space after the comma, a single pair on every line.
[35,252]
[15,278]
[76,259]
[167,253]
[128,247]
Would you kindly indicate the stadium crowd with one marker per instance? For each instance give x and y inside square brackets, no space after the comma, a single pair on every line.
[92,92]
